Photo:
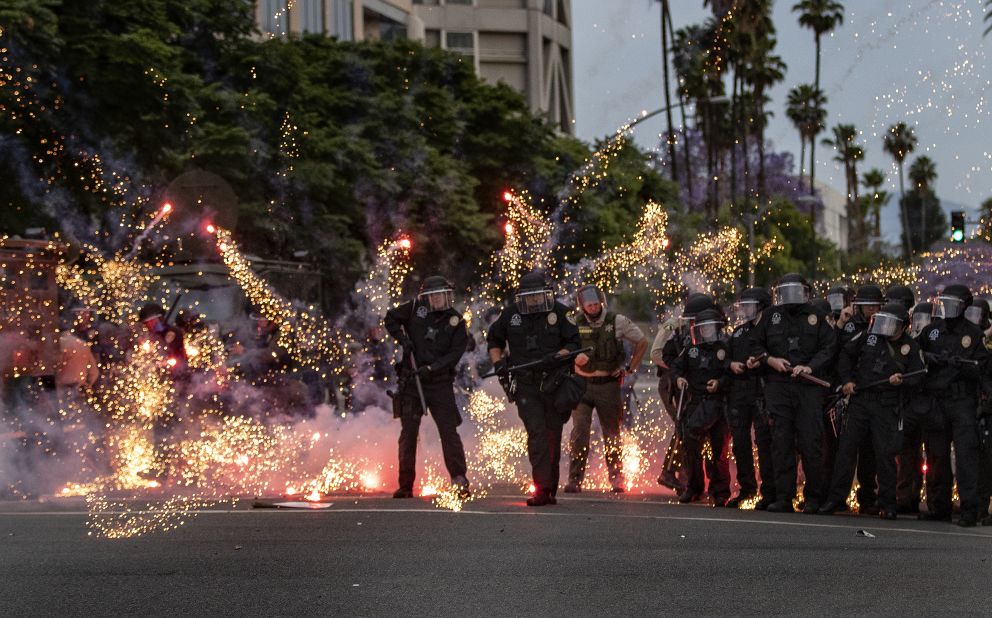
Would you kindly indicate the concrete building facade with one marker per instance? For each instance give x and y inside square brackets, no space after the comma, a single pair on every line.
[526,44]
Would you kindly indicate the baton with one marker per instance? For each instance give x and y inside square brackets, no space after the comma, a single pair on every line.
[416,376]
[885,381]
[531,364]
[678,409]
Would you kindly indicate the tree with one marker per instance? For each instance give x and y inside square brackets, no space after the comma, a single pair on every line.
[927,222]
[820,16]
[899,141]
[923,172]
[848,155]
[665,16]
[805,107]
[876,199]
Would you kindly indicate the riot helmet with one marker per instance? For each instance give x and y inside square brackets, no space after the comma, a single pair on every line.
[708,326]
[791,289]
[591,301]
[839,297]
[922,316]
[978,313]
[436,293]
[868,300]
[751,303]
[695,304]
[889,321]
[952,302]
[533,294]
[901,294]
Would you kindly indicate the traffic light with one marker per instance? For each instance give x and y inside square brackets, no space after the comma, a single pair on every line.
[957,226]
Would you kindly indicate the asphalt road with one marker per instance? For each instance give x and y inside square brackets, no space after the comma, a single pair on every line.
[591,555]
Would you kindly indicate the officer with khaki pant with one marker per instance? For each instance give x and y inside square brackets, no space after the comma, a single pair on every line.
[604,371]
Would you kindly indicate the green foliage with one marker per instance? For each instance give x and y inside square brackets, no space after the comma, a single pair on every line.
[791,229]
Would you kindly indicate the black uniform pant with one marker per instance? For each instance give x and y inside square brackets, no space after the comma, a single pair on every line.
[795,411]
[909,481]
[742,415]
[440,398]
[984,478]
[544,426]
[716,464]
[874,419]
[867,486]
[952,418]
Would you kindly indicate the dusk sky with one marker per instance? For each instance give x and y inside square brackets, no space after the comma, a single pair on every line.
[922,62]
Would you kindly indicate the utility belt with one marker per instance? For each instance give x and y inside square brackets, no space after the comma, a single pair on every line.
[888,397]
[599,379]
[957,390]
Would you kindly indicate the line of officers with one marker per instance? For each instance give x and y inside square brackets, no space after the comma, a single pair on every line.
[855,384]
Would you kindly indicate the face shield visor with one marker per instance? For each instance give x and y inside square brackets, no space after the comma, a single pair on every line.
[949,307]
[885,325]
[747,310]
[920,321]
[790,294]
[974,315]
[534,301]
[837,301]
[591,300]
[706,332]
[437,300]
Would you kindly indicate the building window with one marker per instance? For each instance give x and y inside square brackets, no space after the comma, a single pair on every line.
[460,42]
[313,16]
[343,20]
[274,17]
[432,38]
[468,2]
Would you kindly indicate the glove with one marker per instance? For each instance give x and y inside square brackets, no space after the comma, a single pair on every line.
[406,342]
[507,384]
[424,371]
[500,368]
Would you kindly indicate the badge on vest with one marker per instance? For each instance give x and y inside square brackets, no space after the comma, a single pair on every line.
[693,352]
[453,321]
[812,319]
[776,318]
[552,318]
[421,312]
[516,320]
[966,341]
[904,350]
[721,354]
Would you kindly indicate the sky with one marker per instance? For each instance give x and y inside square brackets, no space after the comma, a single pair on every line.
[923,62]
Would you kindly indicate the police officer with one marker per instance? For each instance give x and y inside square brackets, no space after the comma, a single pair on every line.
[868,300]
[793,339]
[839,297]
[604,371]
[872,367]
[745,408]
[957,360]
[978,314]
[535,327]
[673,337]
[434,338]
[701,372]
[152,317]
[909,482]
[902,294]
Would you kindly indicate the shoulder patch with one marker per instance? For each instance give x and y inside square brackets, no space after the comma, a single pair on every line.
[776,318]
[934,334]
[421,312]
[693,352]
[552,318]
[849,327]
[516,320]
[872,340]
[454,320]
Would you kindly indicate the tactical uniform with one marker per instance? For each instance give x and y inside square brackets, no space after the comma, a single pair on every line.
[704,416]
[745,409]
[874,411]
[602,394]
[909,483]
[533,337]
[437,341]
[953,389]
[799,334]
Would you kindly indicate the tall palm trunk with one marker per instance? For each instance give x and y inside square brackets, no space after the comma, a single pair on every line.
[667,21]
[668,96]
[733,143]
[907,241]
[802,159]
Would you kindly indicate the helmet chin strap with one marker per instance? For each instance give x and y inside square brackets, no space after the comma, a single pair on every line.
[594,318]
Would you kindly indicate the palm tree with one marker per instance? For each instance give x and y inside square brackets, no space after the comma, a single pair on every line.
[820,16]
[848,154]
[806,109]
[667,84]
[899,142]
[988,17]
[923,172]
[872,180]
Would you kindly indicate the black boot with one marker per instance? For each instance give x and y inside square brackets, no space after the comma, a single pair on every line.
[832,507]
[968,520]
[403,492]
[781,506]
[736,501]
[541,498]
[928,516]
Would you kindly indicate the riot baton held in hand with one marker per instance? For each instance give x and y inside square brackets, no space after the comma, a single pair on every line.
[416,375]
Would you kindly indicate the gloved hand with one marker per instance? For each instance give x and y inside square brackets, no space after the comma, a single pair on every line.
[500,368]
[424,371]
[406,342]
[507,383]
